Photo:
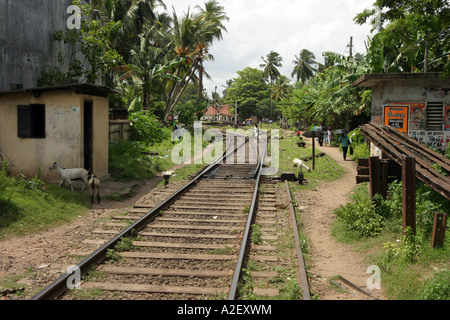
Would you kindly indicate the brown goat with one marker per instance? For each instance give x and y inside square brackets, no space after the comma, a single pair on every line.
[94,188]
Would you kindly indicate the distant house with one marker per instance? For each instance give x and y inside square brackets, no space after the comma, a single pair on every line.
[67,124]
[417,104]
[218,113]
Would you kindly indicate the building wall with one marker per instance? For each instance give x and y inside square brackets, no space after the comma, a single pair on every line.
[64,135]
[26,44]
[405,91]
[411,95]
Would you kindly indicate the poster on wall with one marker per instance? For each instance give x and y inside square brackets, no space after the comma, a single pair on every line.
[417,116]
[447,118]
[397,117]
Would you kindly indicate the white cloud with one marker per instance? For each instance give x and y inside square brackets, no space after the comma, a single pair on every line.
[286,26]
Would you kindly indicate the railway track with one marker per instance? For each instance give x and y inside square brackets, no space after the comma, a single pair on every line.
[184,242]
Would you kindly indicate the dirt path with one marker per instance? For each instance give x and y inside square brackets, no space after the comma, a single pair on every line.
[328,258]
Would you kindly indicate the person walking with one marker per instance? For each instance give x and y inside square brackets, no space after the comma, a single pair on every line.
[254,141]
[320,138]
[325,134]
[329,137]
[345,143]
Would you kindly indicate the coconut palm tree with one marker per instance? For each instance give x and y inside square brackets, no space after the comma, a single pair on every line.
[304,69]
[271,62]
[280,88]
[192,34]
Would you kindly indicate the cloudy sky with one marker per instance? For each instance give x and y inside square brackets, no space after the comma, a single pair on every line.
[285,26]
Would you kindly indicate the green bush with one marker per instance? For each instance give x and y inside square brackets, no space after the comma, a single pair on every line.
[361,216]
[362,210]
[147,128]
[356,137]
[360,151]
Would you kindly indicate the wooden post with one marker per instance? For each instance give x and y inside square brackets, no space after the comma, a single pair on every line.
[384,178]
[440,223]
[313,151]
[374,174]
[409,193]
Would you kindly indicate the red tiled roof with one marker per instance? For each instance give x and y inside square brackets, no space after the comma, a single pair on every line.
[223,110]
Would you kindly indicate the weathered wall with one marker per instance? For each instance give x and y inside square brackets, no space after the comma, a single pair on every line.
[406,91]
[26,44]
[63,140]
[120,130]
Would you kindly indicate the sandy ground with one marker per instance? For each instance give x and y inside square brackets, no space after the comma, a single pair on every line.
[328,258]
[47,252]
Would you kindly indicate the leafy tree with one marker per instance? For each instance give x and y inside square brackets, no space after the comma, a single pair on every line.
[417,32]
[329,96]
[250,90]
[147,67]
[135,17]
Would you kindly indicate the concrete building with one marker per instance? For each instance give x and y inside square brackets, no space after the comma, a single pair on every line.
[40,125]
[66,124]
[417,104]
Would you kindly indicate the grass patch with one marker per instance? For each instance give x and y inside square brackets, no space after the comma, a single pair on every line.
[325,168]
[28,208]
[133,160]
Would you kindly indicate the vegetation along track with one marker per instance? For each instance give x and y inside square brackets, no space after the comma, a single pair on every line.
[195,242]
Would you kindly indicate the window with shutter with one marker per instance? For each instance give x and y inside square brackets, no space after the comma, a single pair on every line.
[31,121]
[24,121]
[435,116]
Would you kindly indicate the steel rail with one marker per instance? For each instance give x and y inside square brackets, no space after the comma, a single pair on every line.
[354,286]
[59,286]
[300,260]
[245,244]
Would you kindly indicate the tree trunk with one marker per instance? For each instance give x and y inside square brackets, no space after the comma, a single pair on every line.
[171,104]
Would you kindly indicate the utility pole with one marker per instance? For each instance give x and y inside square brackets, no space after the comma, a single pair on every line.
[351,46]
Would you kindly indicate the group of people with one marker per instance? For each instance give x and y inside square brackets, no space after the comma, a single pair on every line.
[344,140]
[326,137]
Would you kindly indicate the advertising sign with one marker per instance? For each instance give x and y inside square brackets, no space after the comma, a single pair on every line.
[397,117]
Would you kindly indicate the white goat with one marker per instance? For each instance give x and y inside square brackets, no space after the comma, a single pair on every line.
[94,188]
[299,163]
[71,174]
